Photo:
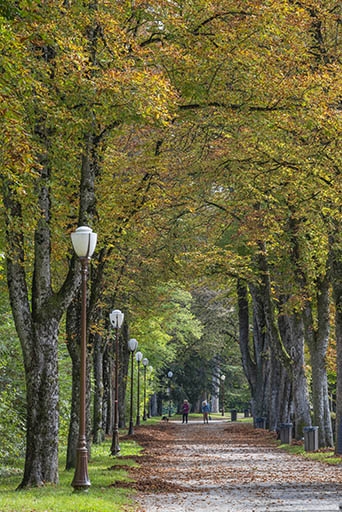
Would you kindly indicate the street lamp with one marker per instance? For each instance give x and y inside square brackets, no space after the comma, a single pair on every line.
[170,375]
[138,357]
[223,378]
[116,318]
[145,363]
[132,346]
[84,243]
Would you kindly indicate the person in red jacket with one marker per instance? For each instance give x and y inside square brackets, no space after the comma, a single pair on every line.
[185,411]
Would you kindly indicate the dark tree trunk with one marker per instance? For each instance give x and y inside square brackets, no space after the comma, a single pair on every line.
[248,360]
[154,405]
[98,432]
[107,414]
[73,345]
[261,348]
[287,408]
[123,373]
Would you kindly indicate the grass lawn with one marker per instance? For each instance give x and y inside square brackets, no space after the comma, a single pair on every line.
[325,455]
[101,497]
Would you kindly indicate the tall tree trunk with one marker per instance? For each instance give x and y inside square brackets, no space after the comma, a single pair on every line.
[215,380]
[37,327]
[248,360]
[41,462]
[292,360]
[299,382]
[123,373]
[260,402]
[335,242]
[73,345]
[98,432]
[107,414]
[317,339]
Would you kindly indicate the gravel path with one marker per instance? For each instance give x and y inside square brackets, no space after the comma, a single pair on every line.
[228,467]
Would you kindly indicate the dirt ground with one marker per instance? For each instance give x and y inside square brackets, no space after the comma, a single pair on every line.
[228,467]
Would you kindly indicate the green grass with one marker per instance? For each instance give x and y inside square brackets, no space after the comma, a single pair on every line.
[101,497]
[326,456]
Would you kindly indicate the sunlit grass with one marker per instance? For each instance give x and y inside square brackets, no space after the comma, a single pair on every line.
[101,497]
[326,456]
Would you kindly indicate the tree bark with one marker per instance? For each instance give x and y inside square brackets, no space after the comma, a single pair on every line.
[123,373]
[248,361]
[299,382]
[41,462]
[317,339]
[262,353]
[335,256]
[98,432]
[37,327]
[73,346]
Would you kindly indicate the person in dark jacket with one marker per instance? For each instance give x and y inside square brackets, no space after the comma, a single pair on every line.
[205,411]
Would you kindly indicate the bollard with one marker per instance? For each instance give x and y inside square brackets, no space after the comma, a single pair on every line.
[285,433]
[260,422]
[310,439]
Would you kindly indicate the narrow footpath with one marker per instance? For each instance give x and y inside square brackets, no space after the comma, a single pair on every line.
[228,467]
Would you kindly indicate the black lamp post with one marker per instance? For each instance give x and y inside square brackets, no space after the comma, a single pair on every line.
[132,346]
[138,357]
[223,378]
[145,363]
[84,243]
[170,375]
[116,319]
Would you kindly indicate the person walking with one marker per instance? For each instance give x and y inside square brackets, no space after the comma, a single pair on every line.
[205,411]
[185,411]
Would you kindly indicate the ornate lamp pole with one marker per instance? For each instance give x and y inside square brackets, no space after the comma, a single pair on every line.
[138,357]
[84,243]
[170,375]
[223,378]
[116,319]
[145,363]
[132,346]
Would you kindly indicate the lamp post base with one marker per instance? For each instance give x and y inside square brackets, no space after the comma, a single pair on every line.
[81,480]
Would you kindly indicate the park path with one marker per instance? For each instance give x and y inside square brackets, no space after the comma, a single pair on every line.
[228,467]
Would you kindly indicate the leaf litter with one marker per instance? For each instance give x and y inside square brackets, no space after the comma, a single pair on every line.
[227,467]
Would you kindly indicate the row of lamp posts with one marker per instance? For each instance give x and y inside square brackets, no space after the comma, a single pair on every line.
[84,243]
[116,319]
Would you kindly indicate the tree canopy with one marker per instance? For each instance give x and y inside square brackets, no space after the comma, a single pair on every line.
[202,141]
